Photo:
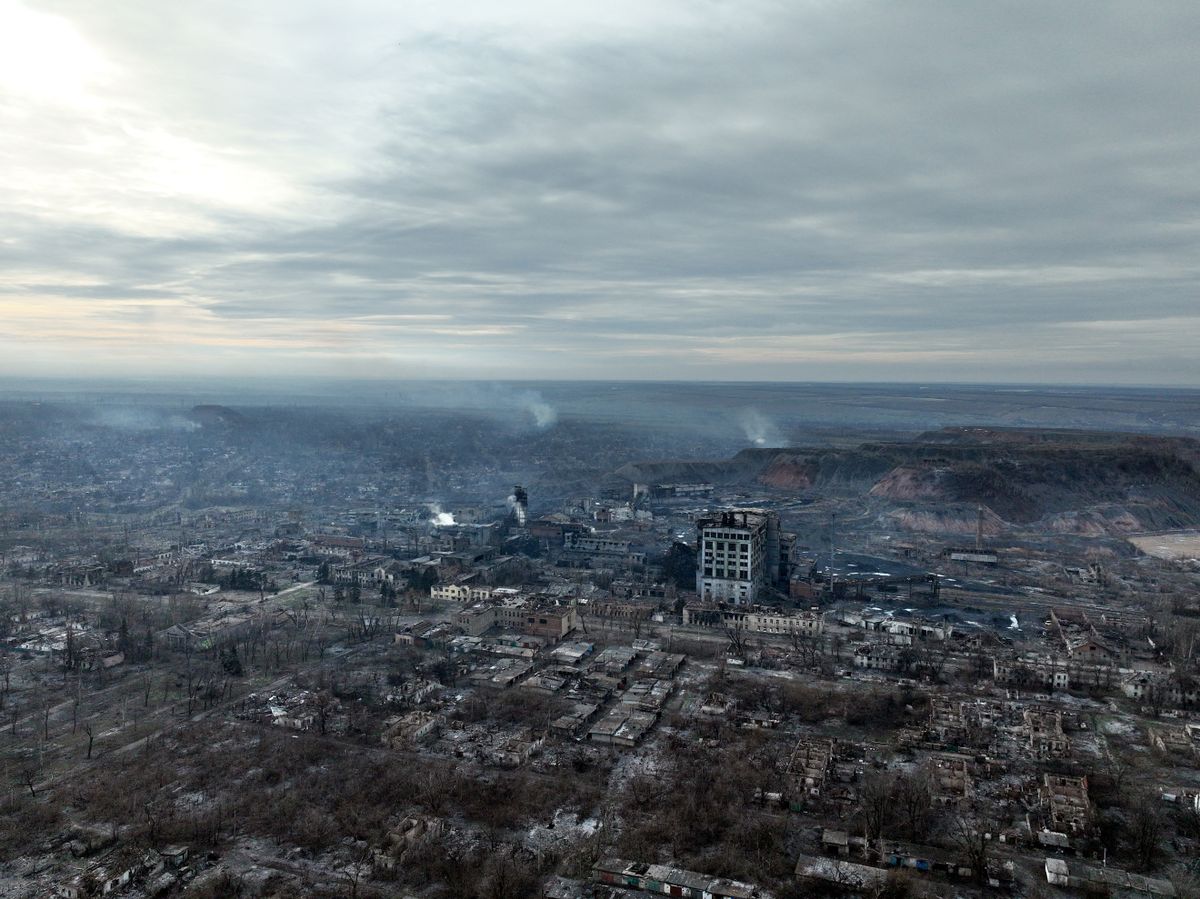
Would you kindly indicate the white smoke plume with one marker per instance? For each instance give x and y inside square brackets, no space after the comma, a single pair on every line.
[759,429]
[440,519]
[520,408]
[544,415]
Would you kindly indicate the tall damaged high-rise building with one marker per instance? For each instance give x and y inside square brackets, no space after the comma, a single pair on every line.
[738,553]
[520,503]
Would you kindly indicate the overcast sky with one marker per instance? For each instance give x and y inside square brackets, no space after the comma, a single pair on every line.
[718,190]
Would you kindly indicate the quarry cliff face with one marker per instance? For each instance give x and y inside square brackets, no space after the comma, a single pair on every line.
[958,522]
[785,473]
[1054,482]
[906,483]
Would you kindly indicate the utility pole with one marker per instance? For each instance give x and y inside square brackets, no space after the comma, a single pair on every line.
[832,548]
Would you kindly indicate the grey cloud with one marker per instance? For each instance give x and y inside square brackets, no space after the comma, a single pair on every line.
[973,173]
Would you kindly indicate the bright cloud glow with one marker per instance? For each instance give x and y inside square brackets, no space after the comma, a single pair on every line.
[45,58]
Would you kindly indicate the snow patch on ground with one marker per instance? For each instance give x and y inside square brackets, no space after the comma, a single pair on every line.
[565,827]
[1119,727]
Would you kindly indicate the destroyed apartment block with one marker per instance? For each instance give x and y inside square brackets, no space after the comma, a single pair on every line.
[1065,808]
[1044,731]
[621,611]
[209,633]
[461,591]
[951,774]
[717,705]
[155,872]
[898,631]
[409,731]
[757,620]
[955,722]
[1160,688]
[356,574]
[807,769]
[1053,672]
[400,840]
[880,657]
[331,546]
[758,718]
[1083,640]
[600,550]
[528,616]
[720,706]
[305,711]
[83,575]
[1177,740]
[413,692]
[510,750]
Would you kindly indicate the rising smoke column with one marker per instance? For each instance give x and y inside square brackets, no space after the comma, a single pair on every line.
[439,518]
[759,429]
[544,415]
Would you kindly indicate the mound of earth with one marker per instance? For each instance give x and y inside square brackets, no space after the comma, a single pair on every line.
[1052,481]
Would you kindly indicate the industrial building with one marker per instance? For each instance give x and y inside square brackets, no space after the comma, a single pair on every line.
[738,555]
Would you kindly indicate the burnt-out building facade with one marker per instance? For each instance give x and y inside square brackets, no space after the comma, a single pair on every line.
[738,555]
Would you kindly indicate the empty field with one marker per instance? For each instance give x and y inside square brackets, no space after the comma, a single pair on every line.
[1180,545]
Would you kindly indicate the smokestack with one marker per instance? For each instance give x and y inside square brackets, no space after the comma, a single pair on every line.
[773,548]
[520,505]
[979,529]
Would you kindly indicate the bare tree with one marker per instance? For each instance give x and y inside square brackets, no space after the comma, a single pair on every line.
[29,777]
[1145,828]
[323,704]
[432,789]
[357,868]
[876,803]
[6,673]
[914,802]
[970,836]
